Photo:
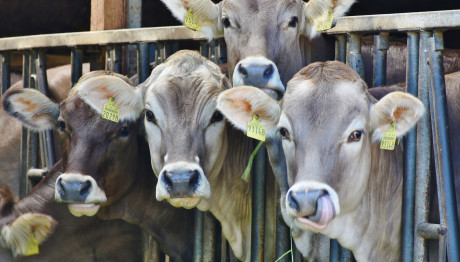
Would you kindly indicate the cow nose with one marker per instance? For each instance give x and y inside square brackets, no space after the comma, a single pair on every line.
[304,202]
[73,191]
[181,184]
[256,75]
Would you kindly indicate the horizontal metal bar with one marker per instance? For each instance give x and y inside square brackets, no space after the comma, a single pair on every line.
[397,22]
[121,36]
[430,231]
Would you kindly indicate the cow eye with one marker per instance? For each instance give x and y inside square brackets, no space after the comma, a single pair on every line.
[61,125]
[293,22]
[124,131]
[284,133]
[226,22]
[355,136]
[216,117]
[150,116]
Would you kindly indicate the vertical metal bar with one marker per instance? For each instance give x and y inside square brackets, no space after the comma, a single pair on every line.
[5,68]
[158,57]
[198,243]
[355,58]
[209,239]
[422,170]
[96,58]
[23,153]
[76,60]
[258,205]
[380,58]
[410,143]
[443,144]
[117,59]
[204,48]
[335,251]
[32,139]
[143,65]
[282,230]
[167,50]
[134,21]
[42,81]
[341,48]
[222,52]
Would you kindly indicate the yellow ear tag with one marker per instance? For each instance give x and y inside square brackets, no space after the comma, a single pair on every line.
[192,22]
[111,111]
[389,138]
[255,129]
[325,23]
[32,246]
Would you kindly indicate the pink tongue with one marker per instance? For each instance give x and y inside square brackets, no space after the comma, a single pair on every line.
[327,210]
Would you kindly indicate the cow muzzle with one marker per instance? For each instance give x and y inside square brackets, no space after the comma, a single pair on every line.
[182,184]
[81,192]
[312,205]
[260,72]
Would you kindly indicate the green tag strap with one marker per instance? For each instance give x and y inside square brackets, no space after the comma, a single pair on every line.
[247,171]
[111,111]
[255,129]
[389,138]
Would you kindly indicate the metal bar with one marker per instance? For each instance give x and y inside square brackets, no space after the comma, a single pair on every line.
[113,59]
[204,48]
[422,169]
[198,243]
[282,230]
[397,22]
[120,36]
[341,48]
[42,82]
[431,231]
[380,58]
[23,149]
[5,68]
[143,65]
[76,60]
[258,205]
[355,58]
[410,144]
[209,238]
[158,58]
[443,144]
[335,251]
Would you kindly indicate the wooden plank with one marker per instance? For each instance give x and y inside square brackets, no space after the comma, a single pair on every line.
[108,14]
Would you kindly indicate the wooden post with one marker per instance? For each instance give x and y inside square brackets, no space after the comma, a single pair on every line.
[108,14]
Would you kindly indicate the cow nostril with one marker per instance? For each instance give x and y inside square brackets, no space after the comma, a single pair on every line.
[293,202]
[60,187]
[243,71]
[84,191]
[194,178]
[166,178]
[268,71]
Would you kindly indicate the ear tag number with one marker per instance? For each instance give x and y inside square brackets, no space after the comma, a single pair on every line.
[192,22]
[389,138]
[255,129]
[32,246]
[325,22]
[111,111]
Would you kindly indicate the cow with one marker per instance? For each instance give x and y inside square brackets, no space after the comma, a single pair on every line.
[59,86]
[105,164]
[341,183]
[267,41]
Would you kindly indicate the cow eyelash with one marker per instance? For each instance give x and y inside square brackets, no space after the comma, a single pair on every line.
[293,21]
[150,116]
[226,22]
[216,117]
[355,136]
[284,133]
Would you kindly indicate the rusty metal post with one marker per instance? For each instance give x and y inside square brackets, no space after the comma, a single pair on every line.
[76,61]
[380,58]
[258,205]
[143,65]
[341,48]
[5,71]
[23,153]
[355,58]
[209,237]
[423,170]
[113,58]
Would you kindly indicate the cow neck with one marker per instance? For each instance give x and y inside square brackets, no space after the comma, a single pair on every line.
[378,218]
[231,200]
[171,227]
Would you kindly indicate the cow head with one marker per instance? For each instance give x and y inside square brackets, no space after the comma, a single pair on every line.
[92,146]
[262,36]
[184,130]
[328,123]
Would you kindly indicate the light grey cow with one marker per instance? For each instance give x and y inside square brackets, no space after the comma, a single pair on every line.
[341,183]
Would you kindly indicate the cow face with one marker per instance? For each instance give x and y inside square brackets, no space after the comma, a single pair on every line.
[91,146]
[328,126]
[184,130]
[262,36]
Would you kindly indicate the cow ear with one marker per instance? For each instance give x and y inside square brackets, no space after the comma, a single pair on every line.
[400,108]
[35,110]
[240,104]
[204,11]
[316,11]
[96,91]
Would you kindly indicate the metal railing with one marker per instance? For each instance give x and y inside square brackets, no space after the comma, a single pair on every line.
[425,79]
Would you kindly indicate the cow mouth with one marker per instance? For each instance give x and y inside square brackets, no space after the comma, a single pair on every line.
[325,212]
[87,209]
[273,92]
[187,202]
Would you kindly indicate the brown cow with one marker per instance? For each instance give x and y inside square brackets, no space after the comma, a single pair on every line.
[106,166]
[267,41]
[341,183]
